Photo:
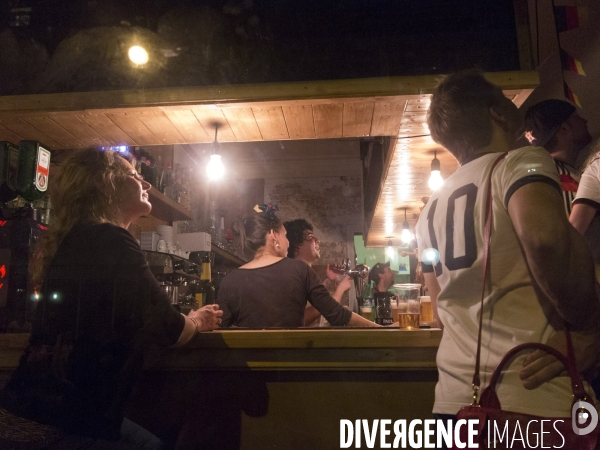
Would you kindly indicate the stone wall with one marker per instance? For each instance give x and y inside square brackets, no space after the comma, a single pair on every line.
[332,204]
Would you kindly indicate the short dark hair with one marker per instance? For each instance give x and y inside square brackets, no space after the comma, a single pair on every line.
[254,229]
[543,120]
[295,234]
[376,270]
[459,117]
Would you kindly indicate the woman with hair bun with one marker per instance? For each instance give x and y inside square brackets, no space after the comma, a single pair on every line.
[271,290]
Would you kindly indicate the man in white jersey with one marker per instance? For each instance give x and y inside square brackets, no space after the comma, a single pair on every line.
[556,126]
[540,269]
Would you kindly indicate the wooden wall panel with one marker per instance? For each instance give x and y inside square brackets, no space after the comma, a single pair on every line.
[8,135]
[271,123]
[357,119]
[418,104]
[160,125]
[21,128]
[188,126]
[386,117]
[134,127]
[107,129]
[329,120]
[80,130]
[208,118]
[243,124]
[299,120]
[54,131]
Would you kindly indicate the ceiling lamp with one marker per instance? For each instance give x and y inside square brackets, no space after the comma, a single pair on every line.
[138,55]
[215,168]
[389,251]
[435,180]
[406,235]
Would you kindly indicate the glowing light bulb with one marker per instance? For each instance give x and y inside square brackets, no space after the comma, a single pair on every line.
[435,180]
[406,235]
[430,256]
[215,168]
[138,55]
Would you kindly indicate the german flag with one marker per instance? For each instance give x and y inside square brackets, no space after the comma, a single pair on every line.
[571,64]
[569,17]
[570,95]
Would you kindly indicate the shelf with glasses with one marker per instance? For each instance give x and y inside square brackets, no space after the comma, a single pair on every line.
[228,257]
[166,209]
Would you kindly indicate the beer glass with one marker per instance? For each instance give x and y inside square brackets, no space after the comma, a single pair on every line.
[426,310]
[409,305]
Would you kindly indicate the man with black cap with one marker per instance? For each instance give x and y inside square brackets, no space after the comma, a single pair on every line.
[382,277]
[556,126]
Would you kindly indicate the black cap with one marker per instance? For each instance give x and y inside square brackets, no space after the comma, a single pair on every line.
[377,270]
[543,120]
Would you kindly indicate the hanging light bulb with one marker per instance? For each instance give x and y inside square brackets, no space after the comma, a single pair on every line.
[406,236]
[215,168]
[435,179]
[138,55]
[389,251]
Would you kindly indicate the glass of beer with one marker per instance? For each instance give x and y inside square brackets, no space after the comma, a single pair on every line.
[426,310]
[409,305]
[366,312]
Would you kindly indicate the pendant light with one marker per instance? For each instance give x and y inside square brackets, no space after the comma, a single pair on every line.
[406,235]
[435,179]
[389,251]
[215,168]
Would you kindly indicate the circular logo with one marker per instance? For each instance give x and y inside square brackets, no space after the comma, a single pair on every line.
[580,414]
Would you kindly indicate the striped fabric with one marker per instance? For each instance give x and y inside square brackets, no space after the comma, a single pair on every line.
[569,180]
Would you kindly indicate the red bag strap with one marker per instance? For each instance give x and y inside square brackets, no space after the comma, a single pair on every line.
[568,362]
[487,233]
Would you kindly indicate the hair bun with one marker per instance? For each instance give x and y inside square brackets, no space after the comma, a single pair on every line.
[268,209]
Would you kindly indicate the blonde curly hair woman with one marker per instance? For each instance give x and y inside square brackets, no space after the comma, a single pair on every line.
[100,306]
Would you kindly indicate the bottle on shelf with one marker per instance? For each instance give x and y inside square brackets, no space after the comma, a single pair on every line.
[33,170]
[9,160]
[159,174]
[205,295]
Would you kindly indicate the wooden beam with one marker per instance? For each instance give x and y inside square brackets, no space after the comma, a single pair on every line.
[231,94]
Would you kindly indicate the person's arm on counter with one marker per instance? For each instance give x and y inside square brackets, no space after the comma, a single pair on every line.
[311,313]
[204,319]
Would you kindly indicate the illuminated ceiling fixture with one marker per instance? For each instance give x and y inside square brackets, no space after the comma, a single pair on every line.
[215,168]
[435,180]
[406,235]
[138,55]
[389,251]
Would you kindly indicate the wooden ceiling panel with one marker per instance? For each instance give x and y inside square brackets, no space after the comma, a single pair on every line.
[243,124]
[21,128]
[299,120]
[418,104]
[208,118]
[188,126]
[386,117]
[53,130]
[161,127]
[329,121]
[357,119]
[134,128]
[271,123]
[7,135]
[80,130]
[106,128]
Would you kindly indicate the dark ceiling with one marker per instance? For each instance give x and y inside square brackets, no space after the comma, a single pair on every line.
[80,45]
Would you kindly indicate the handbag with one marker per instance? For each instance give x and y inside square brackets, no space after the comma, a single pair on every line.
[501,429]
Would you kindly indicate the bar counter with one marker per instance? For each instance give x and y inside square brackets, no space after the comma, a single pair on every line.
[286,389]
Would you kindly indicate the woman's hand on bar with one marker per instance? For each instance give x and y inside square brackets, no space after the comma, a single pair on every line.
[206,318]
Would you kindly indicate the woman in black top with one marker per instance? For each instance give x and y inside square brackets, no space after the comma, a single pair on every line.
[271,290]
[99,307]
